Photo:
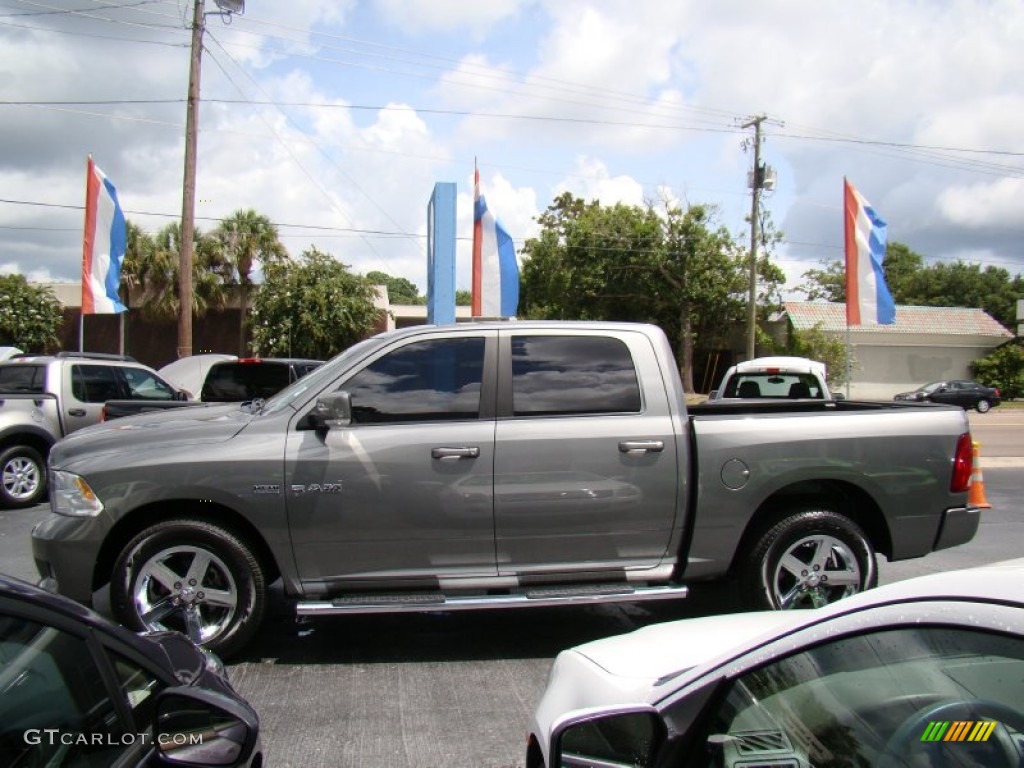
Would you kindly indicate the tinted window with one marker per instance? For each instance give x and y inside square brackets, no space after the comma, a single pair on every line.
[96,384]
[50,680]
[139,688]
[235,382]
[432,380]
[888,698]
[567,375]
[22,378]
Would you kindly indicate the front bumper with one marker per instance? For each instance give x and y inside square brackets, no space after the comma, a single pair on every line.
[959,525]
[65,550]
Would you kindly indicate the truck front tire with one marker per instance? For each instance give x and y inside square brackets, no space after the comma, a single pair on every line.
[22,477]
[194,577]
[807,560]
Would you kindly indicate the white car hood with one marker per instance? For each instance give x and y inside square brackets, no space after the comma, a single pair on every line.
[661,650]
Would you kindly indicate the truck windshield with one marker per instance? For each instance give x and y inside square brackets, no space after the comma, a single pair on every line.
[322,376]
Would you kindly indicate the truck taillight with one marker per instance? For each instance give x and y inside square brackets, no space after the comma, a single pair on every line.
[963,464]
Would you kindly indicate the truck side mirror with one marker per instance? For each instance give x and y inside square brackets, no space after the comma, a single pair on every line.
[332,410]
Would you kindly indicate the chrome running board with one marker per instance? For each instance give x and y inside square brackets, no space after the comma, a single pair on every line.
[420,602]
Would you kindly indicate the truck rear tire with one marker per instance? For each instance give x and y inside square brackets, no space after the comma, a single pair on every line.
[23,473]
[807,560]
[192,576]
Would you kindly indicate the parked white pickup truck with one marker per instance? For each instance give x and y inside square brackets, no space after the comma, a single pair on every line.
[777,377]
[491,465]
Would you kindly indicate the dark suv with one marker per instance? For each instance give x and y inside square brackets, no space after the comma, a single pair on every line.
[248,378]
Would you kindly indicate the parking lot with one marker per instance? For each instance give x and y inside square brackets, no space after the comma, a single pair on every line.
[445,689]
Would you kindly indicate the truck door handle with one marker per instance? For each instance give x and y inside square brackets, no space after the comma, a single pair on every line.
[641,446]
[76,412]
[454,454]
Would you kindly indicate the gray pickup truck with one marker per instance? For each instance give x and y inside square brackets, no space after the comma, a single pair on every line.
[486,465]
[45,397]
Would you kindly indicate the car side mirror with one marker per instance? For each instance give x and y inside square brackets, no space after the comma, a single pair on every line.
[180,395]
[194,727]
[616,740]
[332,410]
[838,396]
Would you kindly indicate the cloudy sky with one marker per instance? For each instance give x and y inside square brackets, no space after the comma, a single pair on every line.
[335,118]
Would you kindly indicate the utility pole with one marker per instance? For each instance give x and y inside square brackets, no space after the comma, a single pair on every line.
[188,198]
[757,180]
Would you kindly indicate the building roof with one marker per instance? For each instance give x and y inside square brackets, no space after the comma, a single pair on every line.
[951,321]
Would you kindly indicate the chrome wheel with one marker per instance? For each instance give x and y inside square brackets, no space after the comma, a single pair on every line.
[814,571]
[983,406]
[21,478]
[186,588]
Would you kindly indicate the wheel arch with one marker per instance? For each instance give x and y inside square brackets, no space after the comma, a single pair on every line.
[842,497]
[129,526]
[39,440]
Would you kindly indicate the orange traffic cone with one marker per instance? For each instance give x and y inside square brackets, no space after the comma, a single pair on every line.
[976,490]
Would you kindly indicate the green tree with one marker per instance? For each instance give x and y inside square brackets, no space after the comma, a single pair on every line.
[1003,368]
[400,290]
[245,239]
[701,283]
[30,316]
[826,348]
[913,283]
[151,267]
[463,298]
[314,307]
[673,268]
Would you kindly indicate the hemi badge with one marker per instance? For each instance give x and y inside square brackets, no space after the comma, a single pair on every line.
[269,488]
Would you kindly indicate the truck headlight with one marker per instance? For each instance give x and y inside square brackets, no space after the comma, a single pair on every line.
[72,496]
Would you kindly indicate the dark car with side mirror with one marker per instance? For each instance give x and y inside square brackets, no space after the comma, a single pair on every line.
[78,690]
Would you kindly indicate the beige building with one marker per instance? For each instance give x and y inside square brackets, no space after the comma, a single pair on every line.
[925,344]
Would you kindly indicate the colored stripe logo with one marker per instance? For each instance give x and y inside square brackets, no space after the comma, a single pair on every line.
[959,730]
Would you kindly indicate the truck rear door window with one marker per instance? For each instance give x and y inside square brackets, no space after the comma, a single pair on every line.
[22,378]
[435,380]
[572,375]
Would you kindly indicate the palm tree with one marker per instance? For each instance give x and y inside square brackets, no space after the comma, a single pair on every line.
[246,238]
[151,270]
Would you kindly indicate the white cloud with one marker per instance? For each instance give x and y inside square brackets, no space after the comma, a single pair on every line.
[421,17]
[594,182]
[989,204]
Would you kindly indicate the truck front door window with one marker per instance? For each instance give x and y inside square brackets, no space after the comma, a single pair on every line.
[95,384]
[436,380]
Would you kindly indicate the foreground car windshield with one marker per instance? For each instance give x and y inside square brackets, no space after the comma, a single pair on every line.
[889,698]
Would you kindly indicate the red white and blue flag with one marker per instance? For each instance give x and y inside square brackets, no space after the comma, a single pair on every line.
[103,246]
[495,271]
[868,300]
